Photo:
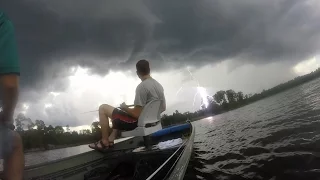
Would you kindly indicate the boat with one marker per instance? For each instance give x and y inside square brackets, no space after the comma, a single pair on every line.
[148,152]
[128,159]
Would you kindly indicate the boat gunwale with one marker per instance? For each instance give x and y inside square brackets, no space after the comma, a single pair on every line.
[99,156]
[184,159]
[184,153]
[163,164]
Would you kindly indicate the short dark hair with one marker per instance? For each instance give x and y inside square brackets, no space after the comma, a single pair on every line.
[143,67]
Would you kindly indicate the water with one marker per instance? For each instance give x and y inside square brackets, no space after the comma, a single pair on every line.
[51,155]
[275,138]
[34,158]
[55,154]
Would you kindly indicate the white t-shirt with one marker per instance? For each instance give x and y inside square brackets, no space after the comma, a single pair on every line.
[148,90]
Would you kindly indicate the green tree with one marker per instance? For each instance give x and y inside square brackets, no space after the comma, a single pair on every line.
[50,129]
[95,127]
[219,97]
[246,96]
[59,130]
[85,131]
[40,124]
[240,96]
[68,128]
[19,122]
[31,124]
[231,95]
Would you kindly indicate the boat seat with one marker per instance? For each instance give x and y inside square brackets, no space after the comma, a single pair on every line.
[148,122]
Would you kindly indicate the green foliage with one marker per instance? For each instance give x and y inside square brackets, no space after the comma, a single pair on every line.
[219,97]
[39,136]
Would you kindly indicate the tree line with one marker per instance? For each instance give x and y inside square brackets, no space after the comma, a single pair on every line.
[36,134]
[226,100]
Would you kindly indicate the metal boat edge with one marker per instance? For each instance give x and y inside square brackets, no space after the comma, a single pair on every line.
[177,171]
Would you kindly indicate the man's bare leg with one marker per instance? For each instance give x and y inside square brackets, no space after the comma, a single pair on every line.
[113,135]
[14,165]
[105,112]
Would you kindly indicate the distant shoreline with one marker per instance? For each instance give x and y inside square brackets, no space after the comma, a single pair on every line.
[243,105]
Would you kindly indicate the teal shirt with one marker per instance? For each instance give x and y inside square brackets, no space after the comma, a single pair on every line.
[9,61]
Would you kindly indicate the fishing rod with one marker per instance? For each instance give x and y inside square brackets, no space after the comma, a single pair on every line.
[98,110]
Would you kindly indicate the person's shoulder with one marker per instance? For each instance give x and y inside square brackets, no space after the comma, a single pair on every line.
[146,84]
[2,17]
[9,60]
[140,86]
[152,80]
[157,82]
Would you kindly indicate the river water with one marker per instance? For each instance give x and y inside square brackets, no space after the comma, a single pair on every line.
[275,138]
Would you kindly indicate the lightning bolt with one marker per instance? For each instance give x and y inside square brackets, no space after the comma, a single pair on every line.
[179,90]
[194,97]
[200,90]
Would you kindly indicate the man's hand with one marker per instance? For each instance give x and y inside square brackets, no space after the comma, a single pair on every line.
[123,106]
[134,112]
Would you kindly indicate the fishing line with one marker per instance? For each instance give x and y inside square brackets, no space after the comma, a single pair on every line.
[98,110]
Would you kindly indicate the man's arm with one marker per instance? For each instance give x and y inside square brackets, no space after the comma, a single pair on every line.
[9,68]
[134,112]
[9,87]
[163,105]
[139,101]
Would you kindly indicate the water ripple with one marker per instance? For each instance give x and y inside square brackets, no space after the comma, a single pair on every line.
[275,138]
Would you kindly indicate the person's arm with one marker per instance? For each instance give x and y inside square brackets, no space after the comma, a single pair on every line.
[163,102]
[140,100]
[134,112]
[164,106]
[9,68]
[9,87]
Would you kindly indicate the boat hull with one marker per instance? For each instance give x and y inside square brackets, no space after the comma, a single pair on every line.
[155,163]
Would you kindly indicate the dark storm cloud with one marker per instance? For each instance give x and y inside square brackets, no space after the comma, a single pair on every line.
[115,34]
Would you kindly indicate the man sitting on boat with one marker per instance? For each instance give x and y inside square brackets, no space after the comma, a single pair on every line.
[125,118]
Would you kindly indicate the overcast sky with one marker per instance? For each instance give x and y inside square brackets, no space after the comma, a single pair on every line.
[76,55]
